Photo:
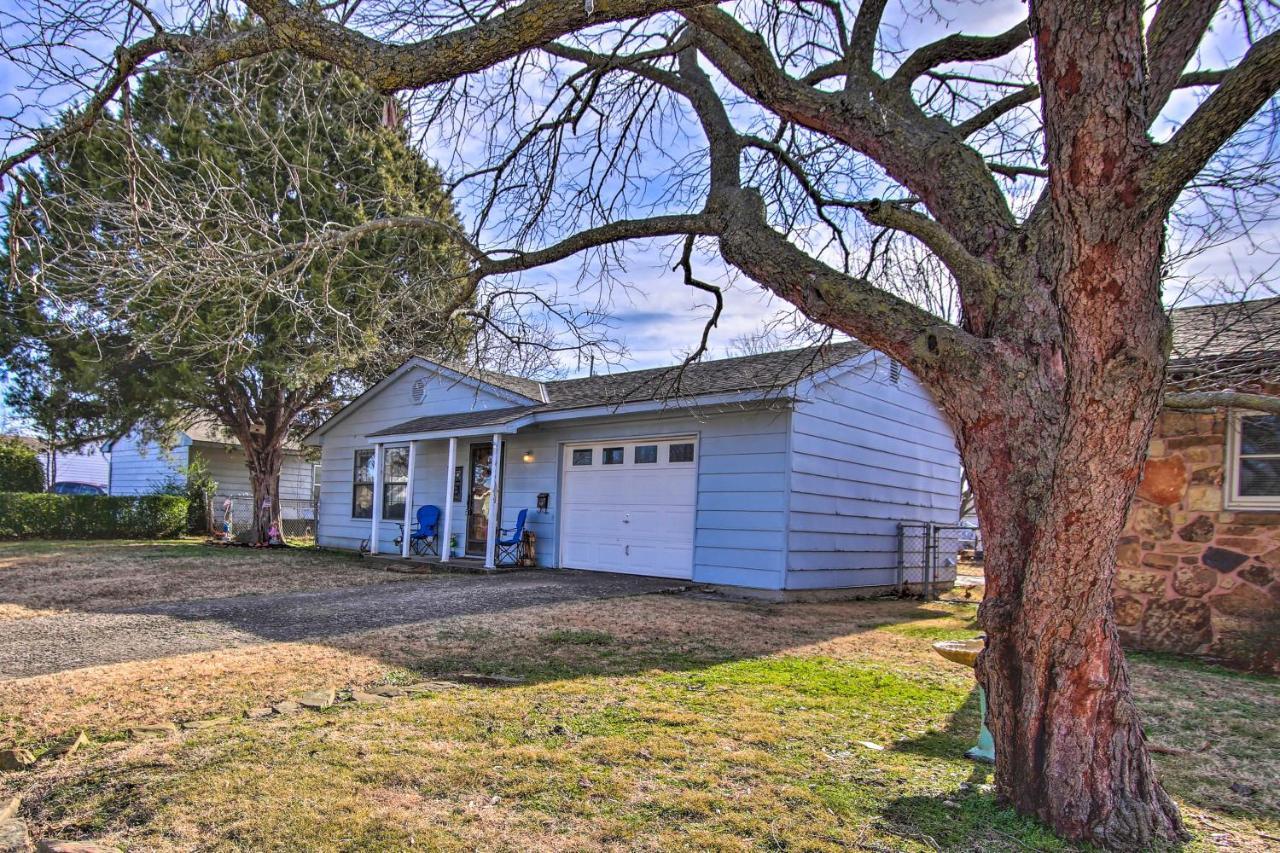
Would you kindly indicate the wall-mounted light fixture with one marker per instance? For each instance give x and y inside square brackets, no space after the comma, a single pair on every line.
[528,456]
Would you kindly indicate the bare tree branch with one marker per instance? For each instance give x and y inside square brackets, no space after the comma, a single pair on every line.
[959,48]
[1243,91]
[1196,400]
[1172,38]
[391,67]
[975,275]
[862,42]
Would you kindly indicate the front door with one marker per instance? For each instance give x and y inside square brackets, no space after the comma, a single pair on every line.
[478,502]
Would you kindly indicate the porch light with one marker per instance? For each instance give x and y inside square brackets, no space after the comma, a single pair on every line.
[528,456]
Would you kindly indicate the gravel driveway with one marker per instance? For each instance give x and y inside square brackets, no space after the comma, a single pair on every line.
[69,641]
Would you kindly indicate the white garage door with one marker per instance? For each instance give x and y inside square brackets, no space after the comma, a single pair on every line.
[628,506]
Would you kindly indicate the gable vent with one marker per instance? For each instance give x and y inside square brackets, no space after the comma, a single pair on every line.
[418,391]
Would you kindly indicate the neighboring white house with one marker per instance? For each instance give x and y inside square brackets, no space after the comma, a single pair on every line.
[83,465]
[786,471]
[141,468]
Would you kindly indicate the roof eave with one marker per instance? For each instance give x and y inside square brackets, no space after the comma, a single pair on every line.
[459,432]
[311,438]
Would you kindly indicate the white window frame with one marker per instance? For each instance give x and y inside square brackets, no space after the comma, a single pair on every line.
[386,516]
[1231,481]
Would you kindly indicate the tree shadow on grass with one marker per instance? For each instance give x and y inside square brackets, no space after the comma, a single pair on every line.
[91,635]
[969,817]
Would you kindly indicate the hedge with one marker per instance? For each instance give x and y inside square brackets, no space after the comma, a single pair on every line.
[45,516]
[20,468]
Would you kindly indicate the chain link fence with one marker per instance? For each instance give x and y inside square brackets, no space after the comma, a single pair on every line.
[931,555]
[297,516]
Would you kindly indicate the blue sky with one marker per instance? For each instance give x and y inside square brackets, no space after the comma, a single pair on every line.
[658,319]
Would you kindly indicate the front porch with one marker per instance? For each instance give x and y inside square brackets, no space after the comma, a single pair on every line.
[457,472]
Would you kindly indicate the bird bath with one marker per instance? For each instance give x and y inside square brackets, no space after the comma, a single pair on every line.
[966,652]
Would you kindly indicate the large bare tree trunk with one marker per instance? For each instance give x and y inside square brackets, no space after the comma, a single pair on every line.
[1057,451]
[1068,739]
[1055,455]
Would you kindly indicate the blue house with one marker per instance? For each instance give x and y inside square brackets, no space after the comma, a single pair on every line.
[787,471]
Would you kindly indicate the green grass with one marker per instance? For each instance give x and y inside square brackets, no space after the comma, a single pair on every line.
[758,753]
[645,723]
[667,752]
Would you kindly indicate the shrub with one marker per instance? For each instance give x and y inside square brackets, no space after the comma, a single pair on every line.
[20,468]
[200,489]
[43,516]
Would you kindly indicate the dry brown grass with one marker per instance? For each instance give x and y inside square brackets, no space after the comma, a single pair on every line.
[38,579]
[112,698]
[655,722]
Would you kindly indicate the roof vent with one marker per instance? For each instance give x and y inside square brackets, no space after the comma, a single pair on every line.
[419,390]
[895,372]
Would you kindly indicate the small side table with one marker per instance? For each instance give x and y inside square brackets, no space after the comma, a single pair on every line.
[966,652]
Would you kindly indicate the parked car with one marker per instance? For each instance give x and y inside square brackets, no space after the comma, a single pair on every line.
[78,489]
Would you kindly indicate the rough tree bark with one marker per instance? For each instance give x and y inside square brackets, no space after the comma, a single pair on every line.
[1052,379]
[1056,448]
[1053,409]
[265,460]
[1055,453]
[259,417]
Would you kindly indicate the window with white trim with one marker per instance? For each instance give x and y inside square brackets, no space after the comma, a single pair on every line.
[362,485]
[1253,461]
[395,481]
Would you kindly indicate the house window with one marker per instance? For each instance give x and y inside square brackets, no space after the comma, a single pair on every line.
[646,453]
[395,479]
[362,485]
[1253,454]
[680,453]
[611,456]
[582,457]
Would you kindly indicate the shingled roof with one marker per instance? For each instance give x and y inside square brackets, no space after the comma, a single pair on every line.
[763,372]
[721,376]
[1226,330]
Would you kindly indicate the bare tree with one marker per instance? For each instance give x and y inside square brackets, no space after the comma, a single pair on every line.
[1041,165]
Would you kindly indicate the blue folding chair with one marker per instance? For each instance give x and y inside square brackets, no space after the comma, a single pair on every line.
[508,549]
[424,536]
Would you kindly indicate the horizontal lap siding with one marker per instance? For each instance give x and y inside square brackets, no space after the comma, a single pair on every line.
[297,478]
[87,465]
[230,470]
[740,529]
[227,467]
[867,453]
[143,468]
[392,405]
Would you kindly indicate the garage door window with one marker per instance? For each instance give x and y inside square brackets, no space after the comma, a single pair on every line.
[612,456]
[680,453]
[582,457]
[646,454]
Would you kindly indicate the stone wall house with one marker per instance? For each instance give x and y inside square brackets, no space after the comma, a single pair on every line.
[1199,563]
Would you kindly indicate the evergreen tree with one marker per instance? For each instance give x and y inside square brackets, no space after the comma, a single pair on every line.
[175,263]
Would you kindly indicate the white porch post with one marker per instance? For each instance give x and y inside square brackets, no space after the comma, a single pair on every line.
[377,499]
[447,530]
[408,499]
[495,510]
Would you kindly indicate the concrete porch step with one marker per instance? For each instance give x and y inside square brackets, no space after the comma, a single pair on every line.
[434,566]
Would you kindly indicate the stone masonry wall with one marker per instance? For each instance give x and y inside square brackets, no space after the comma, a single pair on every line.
[1192,577]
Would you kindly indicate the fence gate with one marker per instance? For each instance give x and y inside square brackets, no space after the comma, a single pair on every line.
[297,516]
[929,553]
